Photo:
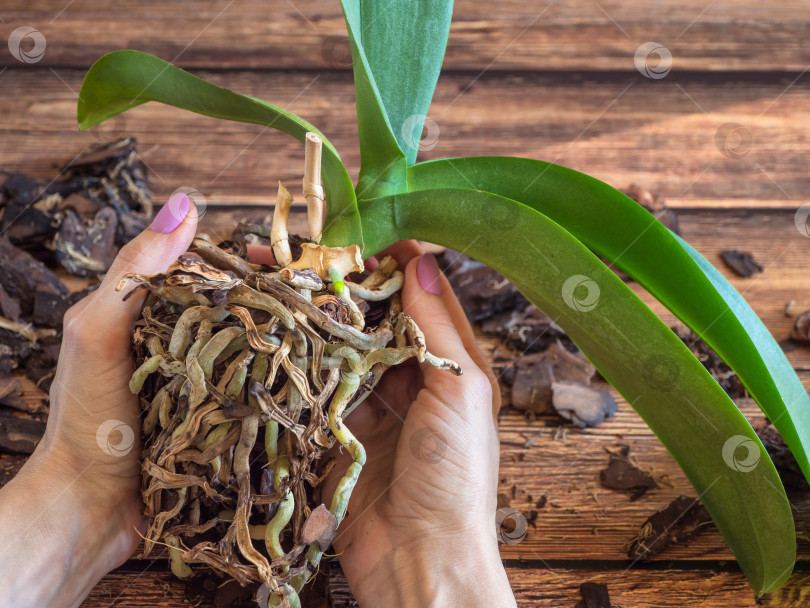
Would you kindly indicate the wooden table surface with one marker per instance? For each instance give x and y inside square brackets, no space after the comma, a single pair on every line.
[554,81]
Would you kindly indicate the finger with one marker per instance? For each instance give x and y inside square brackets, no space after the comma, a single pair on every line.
[261,254]
[370,264]
[403,252]
[425,297]
[467,334]
[151,252]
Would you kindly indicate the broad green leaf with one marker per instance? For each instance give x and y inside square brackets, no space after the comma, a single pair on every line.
[631,347]
[620,230]
[383,168]
[404,43]
[125,79]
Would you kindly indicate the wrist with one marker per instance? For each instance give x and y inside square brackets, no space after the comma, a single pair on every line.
[438,571]
[62,539]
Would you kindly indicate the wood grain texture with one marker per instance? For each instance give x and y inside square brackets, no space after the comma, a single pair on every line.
[503,35]
[662,134]
[535,585]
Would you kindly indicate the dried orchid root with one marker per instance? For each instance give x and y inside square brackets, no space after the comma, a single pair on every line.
[246,374]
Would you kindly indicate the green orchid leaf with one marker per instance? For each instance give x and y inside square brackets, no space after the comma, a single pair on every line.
[632,348]
[125,79]
[404,43]
[621,231]
[383,167]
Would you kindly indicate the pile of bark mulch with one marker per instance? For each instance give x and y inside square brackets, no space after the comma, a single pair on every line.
[73,224]
[546,372]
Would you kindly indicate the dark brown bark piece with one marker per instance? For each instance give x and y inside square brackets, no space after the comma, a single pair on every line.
[41,363]
[621,474]
[741,262]
[319,527]
[526,328]
[113,175]
[22,222]
[534,375]
[725,376]
[49,309]
[10,466]
[18,434]
[481,290]
[23,276]
[9,306]
[786,465]
[84,246]
[582,405]
[801,329]
[678,522]
[11,392]
[594,595]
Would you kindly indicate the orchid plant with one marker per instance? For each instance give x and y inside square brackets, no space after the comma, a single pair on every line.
[548,229]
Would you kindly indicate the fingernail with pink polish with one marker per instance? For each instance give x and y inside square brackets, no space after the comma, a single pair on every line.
[429,275]
[172,214]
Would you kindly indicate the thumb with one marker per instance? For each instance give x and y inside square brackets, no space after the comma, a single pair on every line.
[151,252]
[426,297]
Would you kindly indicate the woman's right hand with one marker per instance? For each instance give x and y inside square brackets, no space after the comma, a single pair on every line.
[420,528]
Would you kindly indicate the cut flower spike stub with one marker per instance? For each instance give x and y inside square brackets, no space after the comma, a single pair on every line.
[245,374]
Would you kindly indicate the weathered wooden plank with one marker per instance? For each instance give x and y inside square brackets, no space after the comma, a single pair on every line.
[583,520]
[534,584]
[662,134]
[651,589]
[508,34]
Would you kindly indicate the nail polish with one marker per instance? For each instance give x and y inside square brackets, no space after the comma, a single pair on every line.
[172,214]
[428,274]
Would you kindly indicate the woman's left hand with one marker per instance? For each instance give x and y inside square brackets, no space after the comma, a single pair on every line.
[74,511]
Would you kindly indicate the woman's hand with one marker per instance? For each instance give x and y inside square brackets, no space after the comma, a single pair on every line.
[420,528]
[73,512]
